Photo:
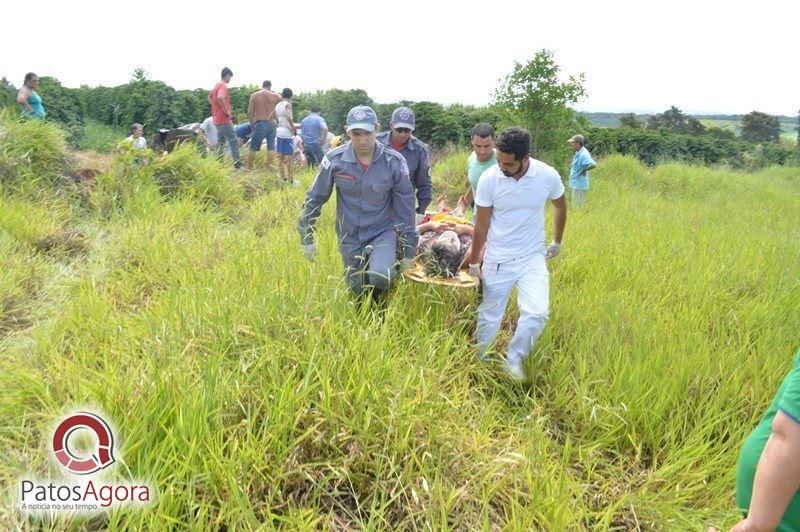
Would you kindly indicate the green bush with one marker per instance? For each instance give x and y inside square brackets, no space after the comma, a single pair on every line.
[31,150]
[186,173]
[652,147]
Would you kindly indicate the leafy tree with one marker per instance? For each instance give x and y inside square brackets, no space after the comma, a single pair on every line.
[629,120]
[675,121]
[336,103]
[760,127]
[533,95]
[8,93]
[427,115]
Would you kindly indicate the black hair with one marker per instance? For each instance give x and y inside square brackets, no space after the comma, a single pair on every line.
[441,260]
[29,76]
[267,84]
[514,140]
[287,93]
[226,72]
[482,130]
[316,108]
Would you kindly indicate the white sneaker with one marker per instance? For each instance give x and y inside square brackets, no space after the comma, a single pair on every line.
[515,371]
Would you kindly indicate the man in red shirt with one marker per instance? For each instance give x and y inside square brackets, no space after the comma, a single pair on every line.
[222,116]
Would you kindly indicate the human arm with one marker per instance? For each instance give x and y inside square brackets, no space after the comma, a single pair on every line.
[559,217]
[468,198]
[251,115]
[223,101]
[22,98]
[290,117]
[586,162]
[777,477]
[316,197]
[324,137]
[422,181]
[483,215]
[403,208]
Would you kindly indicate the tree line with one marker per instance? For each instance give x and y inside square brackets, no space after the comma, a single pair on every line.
[535,94]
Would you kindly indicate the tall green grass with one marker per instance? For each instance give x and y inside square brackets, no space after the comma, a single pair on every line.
[250,389]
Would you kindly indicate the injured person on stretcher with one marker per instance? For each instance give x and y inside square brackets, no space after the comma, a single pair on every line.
[445,240]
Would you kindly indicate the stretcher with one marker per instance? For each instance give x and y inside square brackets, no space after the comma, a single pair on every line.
[464,280]
[417,272]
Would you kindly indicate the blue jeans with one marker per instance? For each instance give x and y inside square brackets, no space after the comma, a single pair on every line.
[264,129]
[226,132]
[314,154]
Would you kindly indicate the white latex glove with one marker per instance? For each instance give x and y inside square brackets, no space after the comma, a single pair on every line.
[475,270]
[309,251]
[552,250]
[408,263]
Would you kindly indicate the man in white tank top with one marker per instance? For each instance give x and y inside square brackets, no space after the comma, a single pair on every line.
[285,136]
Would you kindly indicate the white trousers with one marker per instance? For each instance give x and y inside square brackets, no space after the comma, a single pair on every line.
[532,279]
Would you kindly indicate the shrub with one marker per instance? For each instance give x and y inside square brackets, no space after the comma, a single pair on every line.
[31,150]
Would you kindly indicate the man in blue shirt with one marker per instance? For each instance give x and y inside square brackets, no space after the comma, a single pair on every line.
[582,162]
[313,131]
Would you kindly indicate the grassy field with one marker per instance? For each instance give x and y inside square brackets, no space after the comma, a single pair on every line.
[249,390]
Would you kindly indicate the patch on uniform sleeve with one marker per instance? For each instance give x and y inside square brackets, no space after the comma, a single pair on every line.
[325,162]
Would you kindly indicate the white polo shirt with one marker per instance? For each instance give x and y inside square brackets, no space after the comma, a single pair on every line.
[516,226]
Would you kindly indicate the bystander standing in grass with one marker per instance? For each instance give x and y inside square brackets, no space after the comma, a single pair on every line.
[511,199]
[374,200]
[415,152]
[286,132]
[582,162]
[768,475]
[220,101]
[137,139]
[314,132]
[261,113]
[29,100]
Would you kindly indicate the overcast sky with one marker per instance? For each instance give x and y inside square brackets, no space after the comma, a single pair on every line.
[702,56]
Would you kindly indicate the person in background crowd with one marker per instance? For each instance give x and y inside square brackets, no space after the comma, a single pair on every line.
[261,113]
[209,132]
[243,132]
[286,131]
[314,131]
[582,162]
[511,200]
[220,101]
[137,139]
[327,144]
[29,100]
[414,151]
[374,202]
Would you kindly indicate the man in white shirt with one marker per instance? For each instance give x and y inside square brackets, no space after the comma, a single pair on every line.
[209,132]
[510,201]
[137,137]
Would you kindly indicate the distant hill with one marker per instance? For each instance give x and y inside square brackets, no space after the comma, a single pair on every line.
[733,122]
[602,119]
